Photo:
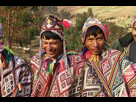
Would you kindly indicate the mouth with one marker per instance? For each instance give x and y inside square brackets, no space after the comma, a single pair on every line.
[51,52]
[95,50]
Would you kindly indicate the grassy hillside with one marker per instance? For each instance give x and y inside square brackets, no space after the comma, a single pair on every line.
[120,15]
[117,18]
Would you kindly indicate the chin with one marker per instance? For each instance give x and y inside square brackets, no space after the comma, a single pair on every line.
[52,56]
[95,53]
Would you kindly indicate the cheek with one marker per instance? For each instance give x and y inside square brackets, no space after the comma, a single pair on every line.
[43,46]
[102,43]
[56,48]
[89,46]
[133,31]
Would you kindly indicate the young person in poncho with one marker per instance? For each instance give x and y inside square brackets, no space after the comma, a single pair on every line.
[109,73]
[15,76]
[55,68]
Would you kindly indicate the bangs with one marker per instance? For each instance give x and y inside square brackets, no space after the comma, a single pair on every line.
[49,35]
[94,30]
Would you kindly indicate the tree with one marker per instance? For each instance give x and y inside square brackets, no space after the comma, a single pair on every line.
[74,39]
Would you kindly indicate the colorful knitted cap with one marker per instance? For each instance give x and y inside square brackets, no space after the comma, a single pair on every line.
[1,29]
[133,22]
[94,22]
[54,24]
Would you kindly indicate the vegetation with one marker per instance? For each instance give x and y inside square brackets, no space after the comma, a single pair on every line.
[23,23]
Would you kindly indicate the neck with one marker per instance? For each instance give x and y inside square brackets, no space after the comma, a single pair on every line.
[95,56]
[53,59]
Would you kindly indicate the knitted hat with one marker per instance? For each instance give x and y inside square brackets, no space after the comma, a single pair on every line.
[55,25]
[94,22]
[133,22]
[2,37]
[1,29]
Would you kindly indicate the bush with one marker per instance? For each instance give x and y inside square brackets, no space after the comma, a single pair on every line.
[74,34]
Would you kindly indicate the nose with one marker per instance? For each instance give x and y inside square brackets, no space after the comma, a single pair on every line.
[49,47]
[95,44]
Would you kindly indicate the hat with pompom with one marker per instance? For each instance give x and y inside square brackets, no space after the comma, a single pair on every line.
[56,25]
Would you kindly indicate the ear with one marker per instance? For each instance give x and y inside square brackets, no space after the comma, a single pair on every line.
[43,38]
[61,43]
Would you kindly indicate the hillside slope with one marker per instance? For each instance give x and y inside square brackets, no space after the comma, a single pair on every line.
[121,15]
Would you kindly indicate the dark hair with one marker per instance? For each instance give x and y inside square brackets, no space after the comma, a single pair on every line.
[50,35]
[94,30]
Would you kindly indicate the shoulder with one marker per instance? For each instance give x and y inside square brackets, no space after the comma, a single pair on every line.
[127,50]
[121,56]
[19,61]
[72,52]
[36,57]
[117,45]
[75,57]
[10,56]
[116,53]
[34,61]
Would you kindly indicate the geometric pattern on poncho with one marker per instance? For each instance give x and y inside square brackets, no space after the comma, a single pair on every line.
[119,74]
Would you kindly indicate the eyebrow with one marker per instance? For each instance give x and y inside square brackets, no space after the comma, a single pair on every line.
[90,38]
[96,38]
[99,37]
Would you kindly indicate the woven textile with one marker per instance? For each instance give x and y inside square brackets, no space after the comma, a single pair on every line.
[14,73]
[116,76]
[1,29]
[53,24]
[62,86]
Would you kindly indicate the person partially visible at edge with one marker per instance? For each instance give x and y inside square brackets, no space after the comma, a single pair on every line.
[127,44]
[107,72]
[55,68]
[15,76]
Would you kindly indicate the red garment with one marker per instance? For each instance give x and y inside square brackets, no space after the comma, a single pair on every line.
[62,84]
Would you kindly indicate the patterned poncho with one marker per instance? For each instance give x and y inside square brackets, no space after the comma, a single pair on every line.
[59,83]
[111,75]
[15,76]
